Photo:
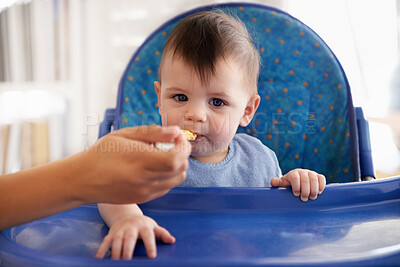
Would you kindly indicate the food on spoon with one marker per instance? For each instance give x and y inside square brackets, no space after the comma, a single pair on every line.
[189,135]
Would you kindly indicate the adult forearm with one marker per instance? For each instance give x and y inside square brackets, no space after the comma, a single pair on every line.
[40,192]
[135,175]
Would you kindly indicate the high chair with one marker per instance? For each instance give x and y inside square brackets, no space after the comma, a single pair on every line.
[306,116]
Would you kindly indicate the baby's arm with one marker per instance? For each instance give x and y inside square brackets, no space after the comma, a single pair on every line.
[127,224]
[304,183]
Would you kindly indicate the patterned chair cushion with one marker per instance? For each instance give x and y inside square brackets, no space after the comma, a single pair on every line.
[306,113]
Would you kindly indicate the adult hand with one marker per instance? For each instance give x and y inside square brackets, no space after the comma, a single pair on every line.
[127,167]
[122,167]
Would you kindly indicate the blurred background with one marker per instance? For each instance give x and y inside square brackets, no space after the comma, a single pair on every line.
[61,61]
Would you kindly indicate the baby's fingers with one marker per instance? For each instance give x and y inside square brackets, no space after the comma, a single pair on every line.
[279,182]
[129,246]
[104,246]
[149,240]
[305,186]
[116,247]
[294,178]
[164,235]
[314,185]
[322,183]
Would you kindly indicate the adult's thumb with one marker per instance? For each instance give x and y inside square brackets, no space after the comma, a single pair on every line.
[149,133]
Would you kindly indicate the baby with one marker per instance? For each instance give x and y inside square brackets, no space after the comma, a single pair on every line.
[208,86]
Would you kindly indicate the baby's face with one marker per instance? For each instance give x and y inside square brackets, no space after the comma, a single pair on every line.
[212,111]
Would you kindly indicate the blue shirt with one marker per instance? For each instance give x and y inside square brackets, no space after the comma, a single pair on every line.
[249,163]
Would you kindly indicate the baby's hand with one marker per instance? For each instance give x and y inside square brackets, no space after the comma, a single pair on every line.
[124,233]
[304,183]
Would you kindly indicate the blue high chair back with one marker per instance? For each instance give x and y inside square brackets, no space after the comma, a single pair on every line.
[306,114]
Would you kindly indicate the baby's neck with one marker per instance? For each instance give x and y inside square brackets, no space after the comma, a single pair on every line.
[213,158]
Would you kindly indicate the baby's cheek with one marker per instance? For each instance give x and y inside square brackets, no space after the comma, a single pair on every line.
[221,140]
[224,128]
[221,125]
[169,119]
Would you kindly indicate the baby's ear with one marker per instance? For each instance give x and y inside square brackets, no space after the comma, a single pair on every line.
[250,110]
[157,87]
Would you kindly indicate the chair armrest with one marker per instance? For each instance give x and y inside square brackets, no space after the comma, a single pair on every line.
[106,124]
[364,144]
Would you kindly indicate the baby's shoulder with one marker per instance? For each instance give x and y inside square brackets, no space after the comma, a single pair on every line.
[256,157]
[251,146]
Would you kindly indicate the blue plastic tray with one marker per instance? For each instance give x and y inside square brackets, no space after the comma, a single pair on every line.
[349,224]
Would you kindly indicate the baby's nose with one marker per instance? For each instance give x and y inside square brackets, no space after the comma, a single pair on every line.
[196,114]
[196,117]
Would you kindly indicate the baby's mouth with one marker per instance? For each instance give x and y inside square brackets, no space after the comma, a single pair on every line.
[198,137]
[191,136]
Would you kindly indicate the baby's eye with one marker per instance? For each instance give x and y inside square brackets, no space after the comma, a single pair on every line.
[180,97]
[217,102]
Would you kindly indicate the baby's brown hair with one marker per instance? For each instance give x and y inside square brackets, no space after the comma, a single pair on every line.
[204,38]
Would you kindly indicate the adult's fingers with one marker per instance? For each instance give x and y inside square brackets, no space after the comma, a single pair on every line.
[149,133]
[169,182]
[161,187]
[164,167]
[153,159]
[164,235]
[149,240]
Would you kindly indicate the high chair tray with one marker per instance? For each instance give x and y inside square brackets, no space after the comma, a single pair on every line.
[353,224]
